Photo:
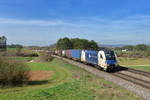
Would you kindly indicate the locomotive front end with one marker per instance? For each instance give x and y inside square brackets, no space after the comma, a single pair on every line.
[111,60]
[111,64]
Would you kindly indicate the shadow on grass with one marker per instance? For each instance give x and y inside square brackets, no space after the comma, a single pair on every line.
[37,82]
[12,88]
[27,83]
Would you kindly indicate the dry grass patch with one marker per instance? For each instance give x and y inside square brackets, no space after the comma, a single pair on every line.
[40,75]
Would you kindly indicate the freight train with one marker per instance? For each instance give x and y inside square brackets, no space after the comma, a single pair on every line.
[104,59]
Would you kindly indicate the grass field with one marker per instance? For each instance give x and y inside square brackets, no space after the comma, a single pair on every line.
[11,53]
[68,82]
[137,63]
[144,68]
[134,61]
[26,59]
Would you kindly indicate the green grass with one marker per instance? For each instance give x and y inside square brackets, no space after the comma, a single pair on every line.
[136,63]
[23,50]
[26,59]
[40,66]
[68,82]
[11,48]
[144,68]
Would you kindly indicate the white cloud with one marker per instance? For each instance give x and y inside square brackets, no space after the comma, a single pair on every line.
[133,29]
[82,21]
[33,22]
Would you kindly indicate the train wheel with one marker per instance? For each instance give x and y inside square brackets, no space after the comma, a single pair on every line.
[108,70]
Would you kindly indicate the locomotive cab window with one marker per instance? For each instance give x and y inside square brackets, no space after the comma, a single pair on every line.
[101,56]
[110,55]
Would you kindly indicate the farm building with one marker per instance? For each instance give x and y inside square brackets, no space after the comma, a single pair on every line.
[3,43]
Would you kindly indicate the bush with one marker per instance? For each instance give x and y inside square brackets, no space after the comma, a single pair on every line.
[13,72]
[119,53]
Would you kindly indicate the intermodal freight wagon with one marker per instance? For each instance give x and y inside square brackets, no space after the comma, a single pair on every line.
[91,56]
[105,59]
[76,54]
[68,53]
[63,52]
[59,52]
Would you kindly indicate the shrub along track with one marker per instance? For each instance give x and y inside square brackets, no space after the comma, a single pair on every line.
[136,85]
[138,81]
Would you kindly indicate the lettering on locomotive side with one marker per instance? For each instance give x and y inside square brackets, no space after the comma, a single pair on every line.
[92,56]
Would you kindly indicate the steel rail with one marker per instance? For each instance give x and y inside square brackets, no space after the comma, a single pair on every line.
[134,80]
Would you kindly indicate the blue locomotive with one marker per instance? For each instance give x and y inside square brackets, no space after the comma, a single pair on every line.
[105,59]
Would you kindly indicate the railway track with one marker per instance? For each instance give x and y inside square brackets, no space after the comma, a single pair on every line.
[135,80]
[144,73]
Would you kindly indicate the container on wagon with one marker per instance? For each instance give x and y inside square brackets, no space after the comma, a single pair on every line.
[83,58]
[59,52]
[76,54]
[68,53]
[64,53]
[91,57]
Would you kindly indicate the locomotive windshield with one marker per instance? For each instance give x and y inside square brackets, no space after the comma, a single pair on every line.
[110,55]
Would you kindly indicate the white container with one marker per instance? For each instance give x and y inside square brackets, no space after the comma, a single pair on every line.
[83,58]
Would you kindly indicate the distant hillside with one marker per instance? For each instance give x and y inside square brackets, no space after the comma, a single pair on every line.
[111,46]
[52,46]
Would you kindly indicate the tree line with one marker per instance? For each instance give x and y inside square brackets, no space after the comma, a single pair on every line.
[139,47]
[15,46]
[136,50]
[76,43]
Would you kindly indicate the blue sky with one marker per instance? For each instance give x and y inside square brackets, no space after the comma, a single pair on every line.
[43,22]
